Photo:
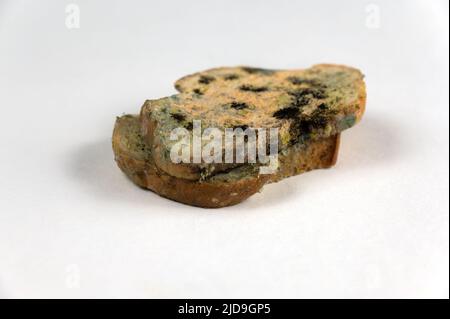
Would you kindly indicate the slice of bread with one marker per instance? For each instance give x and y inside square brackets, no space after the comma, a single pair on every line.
[134,157]
[305,105]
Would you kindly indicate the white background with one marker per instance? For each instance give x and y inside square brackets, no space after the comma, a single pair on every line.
[72,225]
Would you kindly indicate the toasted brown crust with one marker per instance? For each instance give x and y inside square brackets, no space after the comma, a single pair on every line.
[201,194]
[209,107]
[135,160]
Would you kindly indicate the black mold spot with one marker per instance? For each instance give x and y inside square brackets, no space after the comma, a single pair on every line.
[287,113]
[238,105]
[323,106]
[179,117]
[303,126]
[206,79]
[230,77]
[251,88]
[189,126]
[243,127]
[251,70]
[297,80]
[317,93]
[301,98]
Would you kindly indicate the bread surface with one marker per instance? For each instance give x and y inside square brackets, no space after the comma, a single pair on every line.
[304,105]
